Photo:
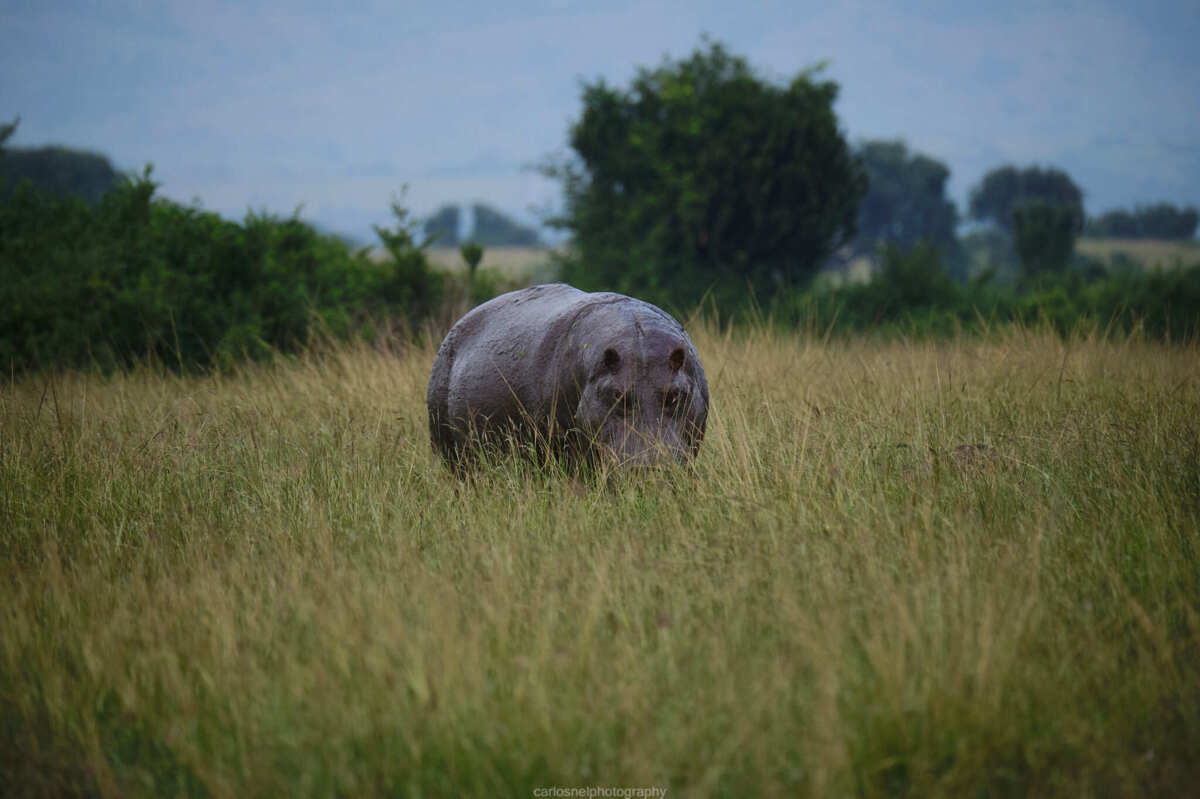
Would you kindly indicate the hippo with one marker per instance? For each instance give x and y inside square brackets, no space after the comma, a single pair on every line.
[586,376]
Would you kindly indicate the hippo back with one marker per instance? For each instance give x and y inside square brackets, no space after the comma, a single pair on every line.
[517,365]
[496,364]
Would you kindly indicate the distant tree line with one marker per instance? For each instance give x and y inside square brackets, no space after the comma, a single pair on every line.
[491,228]
[1159,221]
[702,178]
[912,294]
[57,170]
[700,181]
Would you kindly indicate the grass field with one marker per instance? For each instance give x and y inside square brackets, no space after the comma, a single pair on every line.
[264,584]
[514,263]
[1147,253]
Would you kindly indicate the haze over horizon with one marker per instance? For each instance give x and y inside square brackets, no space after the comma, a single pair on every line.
[271,105]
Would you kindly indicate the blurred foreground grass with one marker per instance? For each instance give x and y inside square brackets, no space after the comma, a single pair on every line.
[264,583]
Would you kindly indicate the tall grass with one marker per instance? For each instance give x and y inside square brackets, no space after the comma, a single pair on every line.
[263,583]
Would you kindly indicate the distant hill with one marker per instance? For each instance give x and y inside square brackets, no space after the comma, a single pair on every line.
[490,227]
[58,170]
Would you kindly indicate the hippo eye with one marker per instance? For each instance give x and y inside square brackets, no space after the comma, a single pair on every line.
[673,401]
[615,400]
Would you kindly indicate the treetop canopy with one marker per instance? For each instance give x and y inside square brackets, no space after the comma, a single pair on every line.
[702,175]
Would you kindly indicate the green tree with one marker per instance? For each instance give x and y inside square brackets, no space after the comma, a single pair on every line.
[56,170]
[1007,188]
[1165,221]
[442,228]
[704,176]
[906,199]
[1158,221]
[1117,223]
[494,229]
[6,131]
[1044,236]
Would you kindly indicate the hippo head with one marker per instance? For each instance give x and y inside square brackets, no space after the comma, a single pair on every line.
[645,399]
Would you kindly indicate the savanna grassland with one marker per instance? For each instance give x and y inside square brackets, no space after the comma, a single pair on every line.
[263,583]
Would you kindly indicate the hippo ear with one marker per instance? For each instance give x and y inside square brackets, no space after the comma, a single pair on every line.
[612,360]
[676,359]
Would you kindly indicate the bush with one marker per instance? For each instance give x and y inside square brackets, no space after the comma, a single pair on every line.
[405,280]
[912,295]
[137,277]
[1165,304]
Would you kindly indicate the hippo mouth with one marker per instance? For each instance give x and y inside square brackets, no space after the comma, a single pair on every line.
[635,449]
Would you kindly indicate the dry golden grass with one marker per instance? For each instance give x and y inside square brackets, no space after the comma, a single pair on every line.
[1148,253]
[513,263]
[265,584]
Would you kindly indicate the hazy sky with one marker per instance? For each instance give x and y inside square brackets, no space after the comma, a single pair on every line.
[271,105]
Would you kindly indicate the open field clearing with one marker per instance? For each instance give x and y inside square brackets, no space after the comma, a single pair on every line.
[514,263]
[264,584]
[1148,253]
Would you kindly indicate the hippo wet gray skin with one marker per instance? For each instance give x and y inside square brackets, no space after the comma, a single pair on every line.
[585,374]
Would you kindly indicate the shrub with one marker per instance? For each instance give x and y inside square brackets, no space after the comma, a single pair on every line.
[138,277]
[913,295]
